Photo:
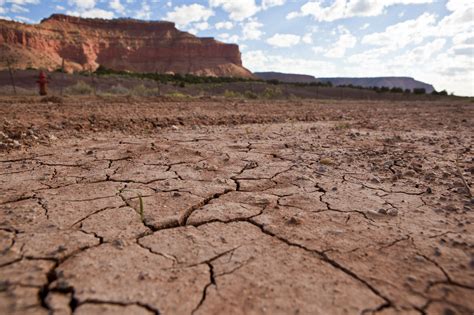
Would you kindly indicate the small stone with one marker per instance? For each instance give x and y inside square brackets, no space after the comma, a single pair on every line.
[382,211]
[411,278]
[293,221]
[53,137]
[375,180]
[393,212]
[174,127]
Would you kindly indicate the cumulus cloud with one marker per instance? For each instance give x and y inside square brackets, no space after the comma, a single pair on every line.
[87,8]
[117,6]
[186,14]
[225,37]
[402,34]
[238,10]
[197,27]
[307,38]
[83,4]
[224,25]
[284,40]
[272,3]
[252,30]
[340,9]
[144,12]
[93,13]
[338,49]
[258,60]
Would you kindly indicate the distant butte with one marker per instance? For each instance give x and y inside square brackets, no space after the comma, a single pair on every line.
[119,44]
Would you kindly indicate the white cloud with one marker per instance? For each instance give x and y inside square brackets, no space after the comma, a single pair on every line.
[186,14]
[18,9]
[144,12]
[402,34]
[224,25]
[117,6]
[93,13]
[258,60]
[317,49]
[341,9]
[251,30]
[346,40]
[225,37]
[83,4]
[272,3]
[307,38]
[284,40]
[21,2]
[197,27]
[365,26]
[238,10]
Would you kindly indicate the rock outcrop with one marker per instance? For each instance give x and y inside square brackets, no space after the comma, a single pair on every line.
[390,82]
[120,44]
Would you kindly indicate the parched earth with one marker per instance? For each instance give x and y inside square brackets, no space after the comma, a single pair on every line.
[345,208]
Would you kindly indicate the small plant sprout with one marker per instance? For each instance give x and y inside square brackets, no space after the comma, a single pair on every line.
[141,208]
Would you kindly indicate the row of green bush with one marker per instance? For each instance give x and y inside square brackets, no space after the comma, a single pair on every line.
[181,81]
[169,78]
[82,88]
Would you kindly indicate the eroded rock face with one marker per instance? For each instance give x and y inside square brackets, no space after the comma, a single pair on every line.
[122,44]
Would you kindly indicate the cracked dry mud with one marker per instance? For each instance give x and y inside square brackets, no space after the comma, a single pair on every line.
[364,215]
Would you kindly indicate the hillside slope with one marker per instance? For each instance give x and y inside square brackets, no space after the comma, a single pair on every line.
[402,82]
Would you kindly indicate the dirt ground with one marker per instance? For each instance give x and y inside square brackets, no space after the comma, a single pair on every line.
[129,206]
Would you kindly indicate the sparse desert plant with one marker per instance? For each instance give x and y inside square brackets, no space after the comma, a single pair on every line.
[342,126]
[419,91]
[119,90]
[270,93]
[231,94]
[250,95]
[326,161]
[177,95]
[8,90]
[80,88]
[140,90]
[141,208]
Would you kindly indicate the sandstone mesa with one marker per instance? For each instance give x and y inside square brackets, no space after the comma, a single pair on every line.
[119,44]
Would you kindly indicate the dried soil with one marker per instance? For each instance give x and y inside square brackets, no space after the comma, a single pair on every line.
[140,207]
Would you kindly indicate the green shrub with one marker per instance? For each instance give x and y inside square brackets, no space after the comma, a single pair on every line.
[250,95]
[419,91]
[270,93]
[80,88]
[119,89]
[231,94]
[177,95]
[396,90]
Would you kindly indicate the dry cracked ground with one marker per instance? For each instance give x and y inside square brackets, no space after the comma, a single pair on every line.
[356,208]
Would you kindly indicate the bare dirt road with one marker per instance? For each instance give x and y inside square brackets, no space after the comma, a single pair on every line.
[234,207]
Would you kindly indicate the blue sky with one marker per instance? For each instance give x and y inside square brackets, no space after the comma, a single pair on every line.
[431,40]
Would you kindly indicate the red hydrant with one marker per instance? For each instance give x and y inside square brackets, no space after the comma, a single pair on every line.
[42,82]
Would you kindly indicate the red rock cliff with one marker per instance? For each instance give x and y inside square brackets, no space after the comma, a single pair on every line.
[120,44]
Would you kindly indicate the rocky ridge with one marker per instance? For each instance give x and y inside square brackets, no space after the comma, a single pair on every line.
[119,44]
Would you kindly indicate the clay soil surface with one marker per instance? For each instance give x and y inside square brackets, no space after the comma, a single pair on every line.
[129,206]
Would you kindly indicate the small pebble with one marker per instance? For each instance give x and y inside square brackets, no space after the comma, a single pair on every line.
[393,212]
